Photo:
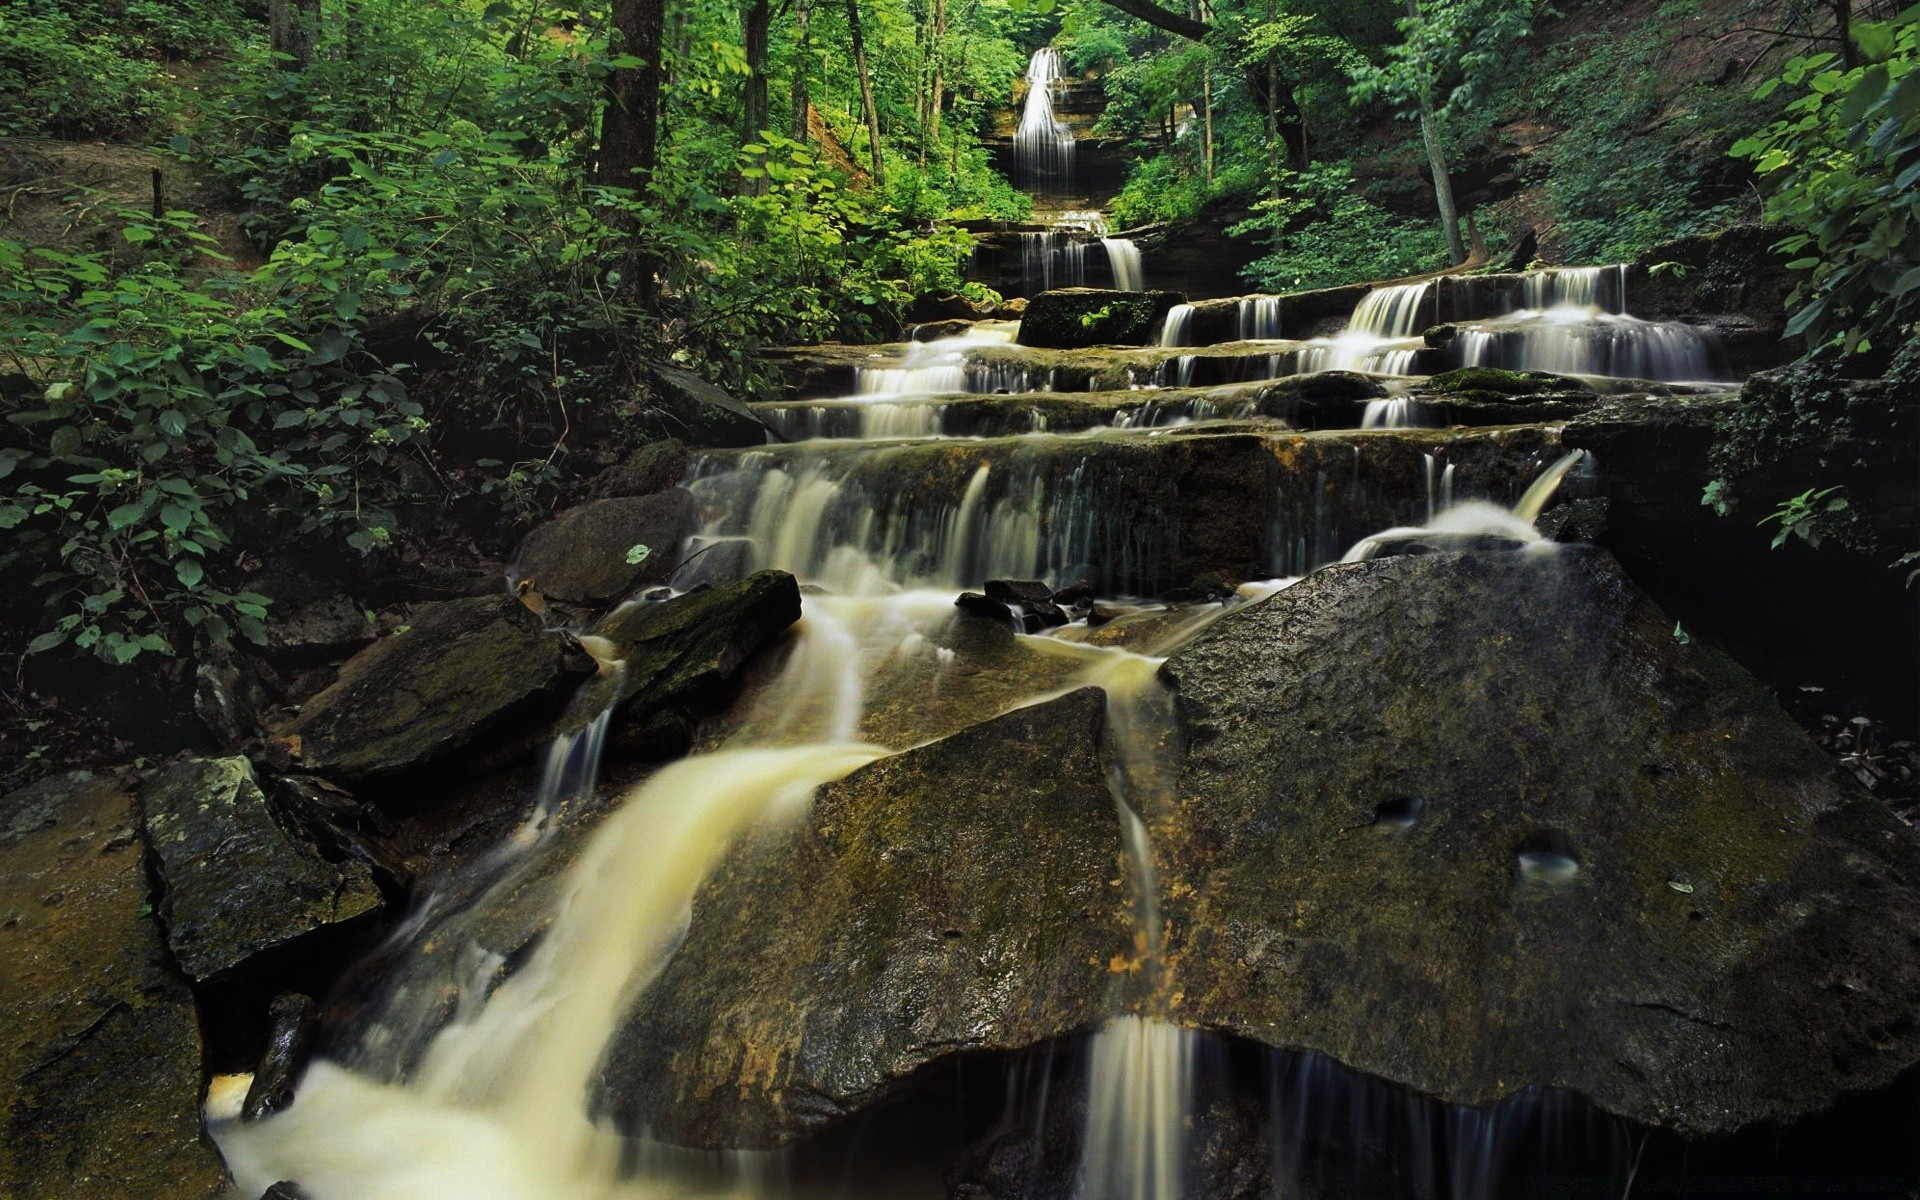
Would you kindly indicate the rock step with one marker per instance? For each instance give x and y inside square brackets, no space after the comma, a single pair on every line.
[1131,514]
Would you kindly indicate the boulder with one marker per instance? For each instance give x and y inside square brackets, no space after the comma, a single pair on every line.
[304,633]
[682,656]
[602,550]
[653,467]
[684,406]
[234,883]
[462,669]
[963,896]
[1838,616]
[1531,838]
[1496,381]
[1075,317]
[100,1058]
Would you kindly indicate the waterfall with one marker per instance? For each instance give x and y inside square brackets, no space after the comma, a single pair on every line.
[1259,318]
[1042,143]
[1391,312]
[1124,257]
[1178,325]
[1139,1094]
[1578,341]
[1477,517]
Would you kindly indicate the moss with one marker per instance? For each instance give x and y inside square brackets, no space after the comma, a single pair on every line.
[1498,382]
[1075,317]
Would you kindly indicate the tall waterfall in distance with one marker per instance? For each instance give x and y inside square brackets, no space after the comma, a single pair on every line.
[1043,145]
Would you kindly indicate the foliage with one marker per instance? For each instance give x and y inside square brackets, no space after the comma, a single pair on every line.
[59,77]
[1807,515]
[1323,232]
[176,412]
[1841,167]
[1445,51]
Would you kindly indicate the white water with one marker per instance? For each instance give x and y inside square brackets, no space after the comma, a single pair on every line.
[1474,517]
[1124,258]
[1042,143]
[1139,1097]
[1259,318]
[1178,326]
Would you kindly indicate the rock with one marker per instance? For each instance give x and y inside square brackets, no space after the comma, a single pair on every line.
[1103,613]
[463,669]
[1832,616]
[687,407]
[1074,594]
[1075,317]
[962,896]
[226,695]
[586,554]
[307,632]
[683,655]
[1395,544]
[934,329]
[651,468]
[1439,337]
[1574,520]
[1499,382]
[291,1021]
[977,604]
[234,883]
[1532,839]
[1019,591]
[100,1056]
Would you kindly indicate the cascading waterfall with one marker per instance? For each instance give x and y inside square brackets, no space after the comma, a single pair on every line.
[1258,318]
[1124,258]
[1385,316]
[1178,326]
[1576,323]
[1042,142]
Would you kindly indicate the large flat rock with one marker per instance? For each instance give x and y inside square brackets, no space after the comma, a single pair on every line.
[602,550]
[1475,823]
[99,1047]
[962,896]
[462,669]
[235,882]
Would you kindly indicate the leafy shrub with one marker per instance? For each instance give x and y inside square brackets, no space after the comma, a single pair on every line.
[1324,232]
[1843,171]
[68,78]
[175,412]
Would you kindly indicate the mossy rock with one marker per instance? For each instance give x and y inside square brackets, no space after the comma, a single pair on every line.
[235,883]
[1532,839]
[963,896]
[100,1060]
[1075,317]
[1495,381]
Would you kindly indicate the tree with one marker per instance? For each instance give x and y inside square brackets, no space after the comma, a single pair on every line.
[802,62]
[630,123]
[1446,48]
[755,17]
[866,94]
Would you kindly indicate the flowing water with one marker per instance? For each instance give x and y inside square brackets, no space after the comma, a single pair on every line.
[471,1075]
[1042,142]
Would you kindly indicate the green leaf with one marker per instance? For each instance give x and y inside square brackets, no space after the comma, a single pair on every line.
[189,571]
[345,305]
[126,515]
[257,358]
[45,642]
[176,516]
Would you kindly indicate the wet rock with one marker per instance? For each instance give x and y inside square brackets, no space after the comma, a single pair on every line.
[682,656]
[684,406]
[651,468]
[603,550]
[1574,520]
[978,604]
[1439,337]
[1075,594]
[227,696]
[463,669]
[1831,616]
[291,1021]
[1437,541]
[1074,317]
[1626,872]
[1030,601]
[234,883]
[307,632]
[1103,613]
[962,896]
[1496,381]
[100,1055]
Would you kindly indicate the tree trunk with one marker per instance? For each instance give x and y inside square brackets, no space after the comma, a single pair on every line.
[866,94]
[1437,160]
[1206,121]
[292,26]
[1160,18]
[802,62]
[754,19]
[1843,29]
[630,126]
[936,93]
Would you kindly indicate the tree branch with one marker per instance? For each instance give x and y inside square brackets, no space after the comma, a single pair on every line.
[1160,18]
